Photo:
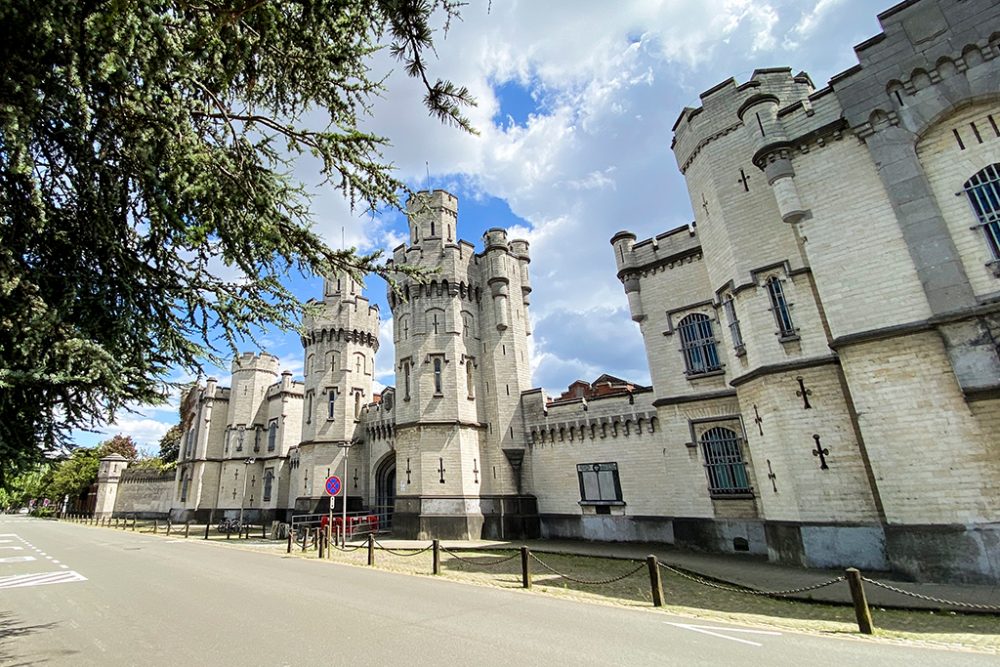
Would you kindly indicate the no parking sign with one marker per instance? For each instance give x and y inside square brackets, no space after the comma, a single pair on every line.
[333,485]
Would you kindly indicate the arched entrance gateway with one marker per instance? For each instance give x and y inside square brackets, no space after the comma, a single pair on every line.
[385,490]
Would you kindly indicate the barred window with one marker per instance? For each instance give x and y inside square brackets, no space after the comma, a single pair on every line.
[734,324]
[698,344]
[724,465]
[272,434]
[268,479]
[983,191]
[599,482]
[779,306]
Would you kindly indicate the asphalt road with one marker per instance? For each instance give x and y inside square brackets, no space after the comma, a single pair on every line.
[99,597]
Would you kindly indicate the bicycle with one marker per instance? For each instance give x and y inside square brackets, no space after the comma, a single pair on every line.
[230,526]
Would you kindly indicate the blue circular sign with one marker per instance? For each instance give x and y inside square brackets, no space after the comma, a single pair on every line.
[333,485]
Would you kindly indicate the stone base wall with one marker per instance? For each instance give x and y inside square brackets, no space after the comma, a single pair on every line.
[466,518]
[945,552]
[145,494]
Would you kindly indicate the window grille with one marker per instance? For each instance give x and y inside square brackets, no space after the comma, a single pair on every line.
[724,465]
[734,324]
[779,306]
[698,344]
[983,191]
[268,478]
[272,434]
[599,482]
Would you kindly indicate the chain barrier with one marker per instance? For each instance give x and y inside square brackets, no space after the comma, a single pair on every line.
[584,581]
[738,588]
[928,598]
[405,553]
[347,549]
[479,564]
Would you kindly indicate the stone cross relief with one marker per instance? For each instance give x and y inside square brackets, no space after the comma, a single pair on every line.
[704,203]
[475,471]
[441,469]
[822,452]
[804,393]
[408,471]
[771,476]
[757,419]
[745,180]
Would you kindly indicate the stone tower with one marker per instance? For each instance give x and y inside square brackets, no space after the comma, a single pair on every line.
[108,477]
[340,340]
[461,365]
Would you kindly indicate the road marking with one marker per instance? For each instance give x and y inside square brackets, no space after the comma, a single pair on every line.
[14,548]
[707,630]
[17,559]
[24,580]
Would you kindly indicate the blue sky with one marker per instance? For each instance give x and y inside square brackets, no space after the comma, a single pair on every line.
[575,105]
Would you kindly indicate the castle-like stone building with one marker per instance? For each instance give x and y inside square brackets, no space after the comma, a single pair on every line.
[822,341]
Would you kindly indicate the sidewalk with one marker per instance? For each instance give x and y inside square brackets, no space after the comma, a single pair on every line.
[750,571]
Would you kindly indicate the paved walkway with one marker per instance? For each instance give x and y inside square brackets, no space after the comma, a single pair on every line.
[751,571]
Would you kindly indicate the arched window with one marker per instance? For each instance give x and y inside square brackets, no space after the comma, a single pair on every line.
[437,376]
[272,434]
[698,344]
[983,191]
[779,306]
[724,465]
[309,364]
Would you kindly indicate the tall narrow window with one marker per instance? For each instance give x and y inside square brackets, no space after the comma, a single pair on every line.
[779,306]
[256,438]
[724,465]
[406,380]
[331,402]
[470,378]
[309,406]
[272,434]
[240,437]
[185,483]
[357,404]
[983,191]
[309,364]
[432,228]
[437,375]
[268,480]
[698,344]
[734,324]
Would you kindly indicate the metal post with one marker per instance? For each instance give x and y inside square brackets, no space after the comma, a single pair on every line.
[326,536]
[322,553]
[525,568]
[371,549]
[168,527]
[289,541]
[206,529]
[344,491]
[134,520]
[437,557]
[187,529]
[861,610]
[246,463]
[305,538]
[655,583]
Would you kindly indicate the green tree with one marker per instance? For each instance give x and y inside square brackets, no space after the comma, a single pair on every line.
[170,444]
[148,214]
[119,444]
[74,476]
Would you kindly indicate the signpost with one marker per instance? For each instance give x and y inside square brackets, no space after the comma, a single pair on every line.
[333,487]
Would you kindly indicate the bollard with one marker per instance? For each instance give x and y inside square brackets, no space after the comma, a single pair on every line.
[263,531]
[525,568]
[168,527]
[116,522]
[187,528]
[156,526]
[289,541]
[437,557]
[861,609]
[322,553]
[206,530]
[655,583]
[371,549]
[134,519]
[305,539]
[229,532]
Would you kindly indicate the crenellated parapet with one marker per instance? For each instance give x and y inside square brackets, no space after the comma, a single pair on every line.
[621,416]
[637,260]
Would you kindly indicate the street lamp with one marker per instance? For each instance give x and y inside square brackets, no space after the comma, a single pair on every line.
[246,464]
[346,446]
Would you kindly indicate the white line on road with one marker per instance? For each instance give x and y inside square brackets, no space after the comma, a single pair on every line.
[17,559]
[14,548]
[23,580]
[707,630]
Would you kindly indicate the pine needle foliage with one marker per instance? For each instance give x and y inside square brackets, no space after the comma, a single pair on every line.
[148,208]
